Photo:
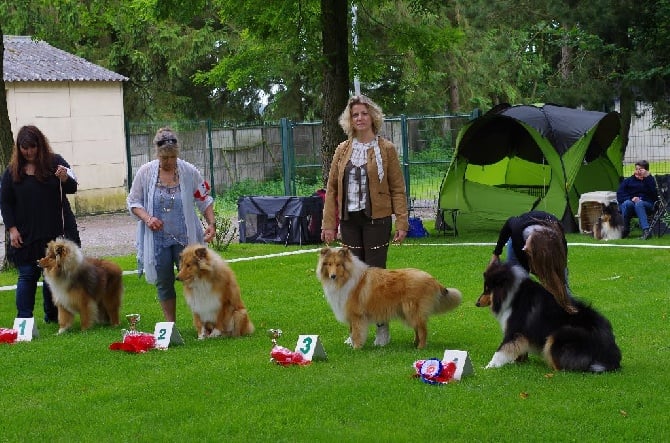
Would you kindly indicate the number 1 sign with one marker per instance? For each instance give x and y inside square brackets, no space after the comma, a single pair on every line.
[26,329]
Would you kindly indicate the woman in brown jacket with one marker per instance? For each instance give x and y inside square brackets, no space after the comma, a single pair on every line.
[365,189]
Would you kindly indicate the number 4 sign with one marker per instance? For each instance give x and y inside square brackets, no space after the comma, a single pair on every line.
[166,334]
[26,329]
[310,347]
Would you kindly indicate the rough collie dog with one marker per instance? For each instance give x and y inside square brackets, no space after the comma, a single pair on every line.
[532,321]
[361,295]
[89,286]
[212,293]
[610,224]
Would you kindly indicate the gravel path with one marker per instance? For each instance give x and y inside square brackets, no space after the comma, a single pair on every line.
[102,235]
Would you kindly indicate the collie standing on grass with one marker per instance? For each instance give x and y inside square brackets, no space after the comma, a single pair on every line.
[163,198]
[365,189]
[360,295]
[87,286]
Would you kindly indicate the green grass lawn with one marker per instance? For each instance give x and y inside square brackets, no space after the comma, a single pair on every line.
[73,388]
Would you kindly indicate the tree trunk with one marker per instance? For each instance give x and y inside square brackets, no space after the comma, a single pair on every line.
[335,37]
[565,64]
[626,109]
[6,137]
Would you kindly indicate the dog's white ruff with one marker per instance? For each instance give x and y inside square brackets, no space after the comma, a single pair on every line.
[204,302]
[500,358]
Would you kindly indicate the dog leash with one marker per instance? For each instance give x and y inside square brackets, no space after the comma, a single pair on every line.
[361,247]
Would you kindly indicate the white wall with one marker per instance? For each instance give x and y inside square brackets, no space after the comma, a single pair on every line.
[84,122]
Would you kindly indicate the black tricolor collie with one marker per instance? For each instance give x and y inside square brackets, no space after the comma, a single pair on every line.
[532,321]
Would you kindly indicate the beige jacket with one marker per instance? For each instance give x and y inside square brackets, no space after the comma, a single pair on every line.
[387,197]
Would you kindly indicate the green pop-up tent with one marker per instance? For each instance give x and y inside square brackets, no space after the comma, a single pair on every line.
[517,158]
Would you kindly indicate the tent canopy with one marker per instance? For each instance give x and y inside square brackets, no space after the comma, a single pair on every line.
[517,158]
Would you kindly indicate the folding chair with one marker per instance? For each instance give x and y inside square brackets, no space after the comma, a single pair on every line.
[660,218]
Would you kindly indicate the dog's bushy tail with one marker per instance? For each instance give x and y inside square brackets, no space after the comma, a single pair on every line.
[449,299]
[578,349]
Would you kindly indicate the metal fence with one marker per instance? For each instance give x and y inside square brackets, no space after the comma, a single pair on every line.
[286,153]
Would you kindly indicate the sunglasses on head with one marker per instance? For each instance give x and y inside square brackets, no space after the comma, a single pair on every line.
[171,141]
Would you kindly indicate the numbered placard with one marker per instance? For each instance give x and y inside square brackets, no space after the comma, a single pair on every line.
[310,347]
[166,334]
[26,329]
[462,360]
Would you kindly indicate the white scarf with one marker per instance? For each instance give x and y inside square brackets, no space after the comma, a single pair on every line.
[359,155]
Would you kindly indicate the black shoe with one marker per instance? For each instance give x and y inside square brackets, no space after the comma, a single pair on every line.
[646,234]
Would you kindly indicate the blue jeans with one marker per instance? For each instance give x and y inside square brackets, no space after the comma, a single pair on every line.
[629,209]
[166,259]
[26,287]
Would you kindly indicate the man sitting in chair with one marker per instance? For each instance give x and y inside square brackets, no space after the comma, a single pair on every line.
[636,196]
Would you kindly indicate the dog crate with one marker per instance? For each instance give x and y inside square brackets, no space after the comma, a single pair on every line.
[591,207]
[287,220]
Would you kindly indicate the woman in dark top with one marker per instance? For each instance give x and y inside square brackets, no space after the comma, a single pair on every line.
[35,211]
[535,240]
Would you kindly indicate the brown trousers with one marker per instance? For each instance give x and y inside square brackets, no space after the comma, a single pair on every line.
[368,239]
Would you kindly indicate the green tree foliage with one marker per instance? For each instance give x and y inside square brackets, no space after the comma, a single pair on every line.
[227,59]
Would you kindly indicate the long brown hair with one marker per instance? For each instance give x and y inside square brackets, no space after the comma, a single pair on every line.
[28,137]
[548,259]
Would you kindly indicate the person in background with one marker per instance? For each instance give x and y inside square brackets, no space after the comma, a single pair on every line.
[365,189]
[163,198]
[636,196]
[535,241]
[35,210]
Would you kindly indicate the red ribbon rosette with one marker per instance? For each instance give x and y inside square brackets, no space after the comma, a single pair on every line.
[435,371]
[137,343]
[8,335]
[285,357]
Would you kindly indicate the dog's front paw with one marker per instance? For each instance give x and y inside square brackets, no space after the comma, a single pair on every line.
[62,331]
[215,333]
[498,360]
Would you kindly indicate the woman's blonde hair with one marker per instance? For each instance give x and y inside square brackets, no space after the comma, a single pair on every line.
[375,111]
[548,259]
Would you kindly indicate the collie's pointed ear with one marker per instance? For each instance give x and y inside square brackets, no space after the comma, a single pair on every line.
[201,253]
[344,251]
[325,250]
[60,250]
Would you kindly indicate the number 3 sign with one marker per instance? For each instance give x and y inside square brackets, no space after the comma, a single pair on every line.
[310,347]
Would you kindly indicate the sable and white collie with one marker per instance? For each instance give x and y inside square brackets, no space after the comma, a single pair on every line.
[89,286]
[361,295]
[212,293]
[610,224]
[532,321]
